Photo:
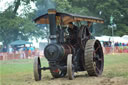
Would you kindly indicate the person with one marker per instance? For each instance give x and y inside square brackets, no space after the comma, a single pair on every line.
[5,49]
[73,32]
[10,49]
[32,50]
[24,48]
[25,52]
[72,26]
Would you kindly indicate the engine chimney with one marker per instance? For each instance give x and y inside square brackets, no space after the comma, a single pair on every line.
[52,23]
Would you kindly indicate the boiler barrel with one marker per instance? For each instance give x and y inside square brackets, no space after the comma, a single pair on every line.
[55,52]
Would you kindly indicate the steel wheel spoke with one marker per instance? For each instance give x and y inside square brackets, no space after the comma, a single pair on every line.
[97,69]
[99,59]
[96,49]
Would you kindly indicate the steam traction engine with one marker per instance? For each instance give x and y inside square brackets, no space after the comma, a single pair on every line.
[71,48]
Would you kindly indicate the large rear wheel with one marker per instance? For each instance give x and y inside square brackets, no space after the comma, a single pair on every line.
[37,69]
[83,36]
[94,58]
[70,69]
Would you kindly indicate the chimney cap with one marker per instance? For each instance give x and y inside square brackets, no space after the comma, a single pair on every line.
[51,11]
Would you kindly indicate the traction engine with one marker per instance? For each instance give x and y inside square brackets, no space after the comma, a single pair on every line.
[71,49]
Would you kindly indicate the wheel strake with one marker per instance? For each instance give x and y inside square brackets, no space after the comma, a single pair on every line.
[37,69]
[70,69]
[94,58]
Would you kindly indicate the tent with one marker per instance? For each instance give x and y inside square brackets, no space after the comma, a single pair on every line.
[125,37]
[20,42]
[103,38]
[1,43]
[113,39]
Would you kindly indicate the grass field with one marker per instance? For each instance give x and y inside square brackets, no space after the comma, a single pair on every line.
[20,72]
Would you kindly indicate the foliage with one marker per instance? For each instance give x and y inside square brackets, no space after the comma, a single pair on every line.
[15,27]
[62,5]
[104,9]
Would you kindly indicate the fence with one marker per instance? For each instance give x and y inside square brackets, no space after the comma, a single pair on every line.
[20,55]
[28,55]
[116,49]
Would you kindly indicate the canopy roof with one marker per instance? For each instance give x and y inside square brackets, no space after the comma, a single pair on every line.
[66,18]
[20,42]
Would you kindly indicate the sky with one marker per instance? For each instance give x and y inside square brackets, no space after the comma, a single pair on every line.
[5,3]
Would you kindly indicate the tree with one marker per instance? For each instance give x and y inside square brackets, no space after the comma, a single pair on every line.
[15,27]
[105,9]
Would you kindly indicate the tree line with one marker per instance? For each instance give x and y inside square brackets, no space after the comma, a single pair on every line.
[14,26]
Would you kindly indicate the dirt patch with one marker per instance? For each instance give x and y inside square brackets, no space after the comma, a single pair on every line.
[79,80]
[47,79]
[114,81]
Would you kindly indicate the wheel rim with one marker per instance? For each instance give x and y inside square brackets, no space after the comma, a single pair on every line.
[98,59]
[37,69]
[70,69]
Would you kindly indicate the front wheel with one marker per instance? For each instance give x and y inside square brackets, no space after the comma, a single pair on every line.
[70,69]
[37,69]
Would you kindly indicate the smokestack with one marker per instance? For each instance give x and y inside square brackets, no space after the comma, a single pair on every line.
[52,23]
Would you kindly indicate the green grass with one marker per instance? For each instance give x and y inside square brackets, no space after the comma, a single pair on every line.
[116,65]
[14,71]
[18,66]
[17,70]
